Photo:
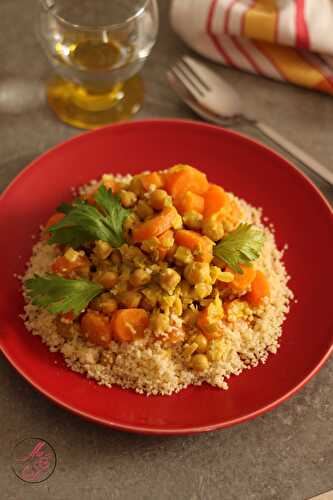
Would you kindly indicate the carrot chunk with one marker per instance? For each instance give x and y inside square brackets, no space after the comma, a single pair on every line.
[190,202]
[155,226]
[127,324]
[183,178]
[154,178]
[54,219]
[208,324]
[215,199]
[68,316]
[203,319]
[164,243]
[64,267]
[201,246]
[111,184]
[96,327]
[259,289]
[108,183]
[241,282]
[89,195]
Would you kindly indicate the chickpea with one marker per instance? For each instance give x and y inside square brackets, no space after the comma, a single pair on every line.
[104,303]
[167,241]
[125,275]
[177,222]
[136,186]
[201,342]
[183,255]
[145,304]
[159,323]
[185,289]
[127,198]
[109,306]
[102,249]
[169,280]
[129,253]
[108,279]
[213,331]
[202,290]
[72,255]
[199,362]
[140,277]
[193,220]
[190,317]
[157,199]
[215,351]
[168,202]
[116,257]
[131,221]
[130,298]
[197,272]
[215,272]
[144,210]
[166,301]
[83,271]
[150,296]
[97,301]
[188,350]
[177,307]
[150,245]
[171,252]
[213,229]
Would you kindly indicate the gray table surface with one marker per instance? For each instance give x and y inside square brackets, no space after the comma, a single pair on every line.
[286,454]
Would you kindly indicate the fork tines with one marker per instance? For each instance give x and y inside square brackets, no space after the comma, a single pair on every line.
[184,72]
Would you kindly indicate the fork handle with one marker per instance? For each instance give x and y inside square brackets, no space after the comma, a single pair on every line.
[296,152]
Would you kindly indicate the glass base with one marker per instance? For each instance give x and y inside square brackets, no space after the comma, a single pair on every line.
[74,105]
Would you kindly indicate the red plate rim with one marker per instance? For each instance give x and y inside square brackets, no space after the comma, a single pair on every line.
[183,430]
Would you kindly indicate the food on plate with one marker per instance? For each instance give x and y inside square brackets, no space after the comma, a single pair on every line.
[157,281]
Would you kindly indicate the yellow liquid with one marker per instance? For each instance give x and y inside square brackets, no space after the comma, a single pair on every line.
[96,102]
[94,54]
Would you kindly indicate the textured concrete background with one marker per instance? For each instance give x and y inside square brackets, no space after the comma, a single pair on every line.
[286,454]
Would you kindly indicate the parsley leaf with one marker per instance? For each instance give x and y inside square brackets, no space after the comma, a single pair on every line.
[61,295]
[240,246]
[65,208]
[84,222]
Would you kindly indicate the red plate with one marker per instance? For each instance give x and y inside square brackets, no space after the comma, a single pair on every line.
[302,219]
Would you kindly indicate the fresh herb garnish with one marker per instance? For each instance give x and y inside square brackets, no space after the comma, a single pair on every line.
[65,208]
[84,222]
[61,295]
[240,246]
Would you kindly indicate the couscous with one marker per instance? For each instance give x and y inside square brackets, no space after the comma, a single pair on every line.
[157,281]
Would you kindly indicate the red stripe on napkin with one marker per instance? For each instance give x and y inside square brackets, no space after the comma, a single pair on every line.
[247,56]
[320,65]
[225,56]
[302,33]
[227,16]
[261,49]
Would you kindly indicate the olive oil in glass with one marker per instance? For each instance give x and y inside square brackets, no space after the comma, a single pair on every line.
[97,64]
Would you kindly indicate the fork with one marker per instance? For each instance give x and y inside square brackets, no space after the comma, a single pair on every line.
[212,98]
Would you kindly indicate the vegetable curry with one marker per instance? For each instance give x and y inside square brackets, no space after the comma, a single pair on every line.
[166,254]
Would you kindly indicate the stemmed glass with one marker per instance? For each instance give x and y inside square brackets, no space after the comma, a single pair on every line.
[97,48]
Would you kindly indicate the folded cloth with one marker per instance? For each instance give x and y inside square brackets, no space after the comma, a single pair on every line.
[288,40]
